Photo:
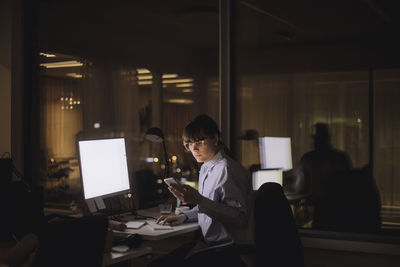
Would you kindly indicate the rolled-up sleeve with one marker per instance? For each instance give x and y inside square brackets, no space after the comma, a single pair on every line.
[228,204]
[223,212]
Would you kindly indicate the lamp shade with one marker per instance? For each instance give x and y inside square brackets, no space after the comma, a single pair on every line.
[154,135]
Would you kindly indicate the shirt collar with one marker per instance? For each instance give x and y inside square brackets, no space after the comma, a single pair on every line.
[217,157]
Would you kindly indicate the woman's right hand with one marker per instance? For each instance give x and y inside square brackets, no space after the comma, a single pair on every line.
[171,219]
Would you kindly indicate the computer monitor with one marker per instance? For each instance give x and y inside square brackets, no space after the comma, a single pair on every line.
[104,168]
[261,177]
[275,153]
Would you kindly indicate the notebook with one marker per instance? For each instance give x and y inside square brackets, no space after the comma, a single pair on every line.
[134,224]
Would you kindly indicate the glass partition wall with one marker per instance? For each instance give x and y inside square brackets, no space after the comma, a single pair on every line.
[335,65]
[108,70]
[386,142]
[116,71]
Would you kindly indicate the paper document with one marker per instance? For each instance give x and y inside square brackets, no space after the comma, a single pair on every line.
[155,226]
[134,224]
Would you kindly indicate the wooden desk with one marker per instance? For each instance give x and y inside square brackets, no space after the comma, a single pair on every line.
[148,233]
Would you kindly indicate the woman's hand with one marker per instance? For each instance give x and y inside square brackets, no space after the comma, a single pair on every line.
[185,193]
[171,219]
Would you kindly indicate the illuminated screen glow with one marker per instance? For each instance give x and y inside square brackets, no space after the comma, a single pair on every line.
[266,176]
[275,153]
[104,168]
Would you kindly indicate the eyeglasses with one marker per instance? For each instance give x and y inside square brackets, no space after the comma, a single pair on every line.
[198,143]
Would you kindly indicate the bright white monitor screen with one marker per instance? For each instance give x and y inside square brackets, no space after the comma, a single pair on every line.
[104,167]
[266,176]
[275,153]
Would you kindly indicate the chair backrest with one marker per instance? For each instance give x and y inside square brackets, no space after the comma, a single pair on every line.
[73,242]
[276,237]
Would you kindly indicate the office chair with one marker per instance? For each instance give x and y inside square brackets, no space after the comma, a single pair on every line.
[225,254]
[277,242]
[73,242]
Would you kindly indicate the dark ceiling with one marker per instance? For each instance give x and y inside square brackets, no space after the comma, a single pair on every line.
[316,21]
[185,33]
[131,32]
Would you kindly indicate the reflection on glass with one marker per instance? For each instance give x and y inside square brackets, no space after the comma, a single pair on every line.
[328,183]
[297,67]
[386,144]
[108,82]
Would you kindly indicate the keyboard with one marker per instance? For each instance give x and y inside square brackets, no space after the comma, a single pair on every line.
[153,225]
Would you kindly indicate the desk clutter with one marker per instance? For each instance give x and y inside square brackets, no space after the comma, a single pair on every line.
[142,222]
[122,226]
[154,226]
[135,224]
[123,222]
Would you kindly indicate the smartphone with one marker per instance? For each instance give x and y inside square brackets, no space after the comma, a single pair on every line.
[170,181]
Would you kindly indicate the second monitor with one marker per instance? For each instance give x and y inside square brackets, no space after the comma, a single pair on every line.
[275,153]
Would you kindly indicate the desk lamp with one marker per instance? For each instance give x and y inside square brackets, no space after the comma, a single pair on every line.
[156,135]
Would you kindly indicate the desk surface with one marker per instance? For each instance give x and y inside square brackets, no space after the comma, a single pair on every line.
[148,233]
[115,257]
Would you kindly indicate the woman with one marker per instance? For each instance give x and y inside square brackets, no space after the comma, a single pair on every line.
[222,200]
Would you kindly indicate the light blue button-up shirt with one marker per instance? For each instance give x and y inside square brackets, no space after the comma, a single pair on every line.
[223,215]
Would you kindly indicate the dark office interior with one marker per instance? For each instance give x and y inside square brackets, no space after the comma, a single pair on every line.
[75,70]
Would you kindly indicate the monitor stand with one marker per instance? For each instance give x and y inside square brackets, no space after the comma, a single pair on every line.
[91,206]
[100,203]
[95,205]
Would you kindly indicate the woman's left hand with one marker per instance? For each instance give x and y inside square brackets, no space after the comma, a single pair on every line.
[185,193]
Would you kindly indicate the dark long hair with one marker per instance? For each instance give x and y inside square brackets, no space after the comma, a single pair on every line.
[202,126]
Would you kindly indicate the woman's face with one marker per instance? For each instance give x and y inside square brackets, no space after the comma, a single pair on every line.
[204,150]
